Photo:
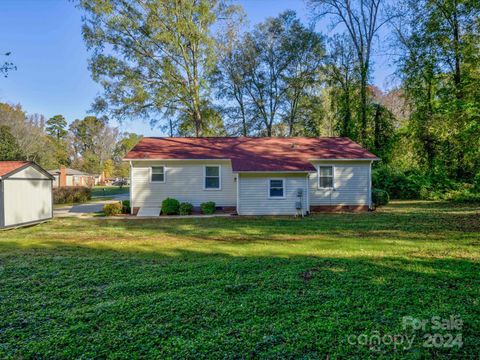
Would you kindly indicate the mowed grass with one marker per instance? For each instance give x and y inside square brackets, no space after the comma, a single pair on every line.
[241,287]
[109,190]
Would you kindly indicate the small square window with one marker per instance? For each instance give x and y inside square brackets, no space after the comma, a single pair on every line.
[276,188]
[325,177]
[212,177]
[158,174]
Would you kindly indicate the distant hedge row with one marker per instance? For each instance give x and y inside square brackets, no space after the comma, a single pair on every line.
[71,194]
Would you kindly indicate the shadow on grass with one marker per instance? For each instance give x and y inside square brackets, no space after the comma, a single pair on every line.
[408,226]
[77,301]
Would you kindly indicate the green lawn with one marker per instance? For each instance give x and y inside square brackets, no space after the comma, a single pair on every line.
[109,190]
[241,287]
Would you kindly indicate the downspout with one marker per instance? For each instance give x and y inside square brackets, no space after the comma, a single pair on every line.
[370,186]
[238,193]
[307,199]
[131,188]
[2,204]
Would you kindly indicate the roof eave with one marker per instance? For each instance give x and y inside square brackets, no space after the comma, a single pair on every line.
[346,159]
[273,171]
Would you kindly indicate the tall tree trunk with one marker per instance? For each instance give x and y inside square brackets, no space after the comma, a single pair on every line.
[347,116]
[457,78]
[244,120]
[363,106]
[197,119]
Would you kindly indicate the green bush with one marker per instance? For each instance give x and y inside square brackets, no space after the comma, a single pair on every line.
[71,194]
[170,206]
[112,209]
[380,197]
[411,184]
[186,208]
[476,183]
[462,196]
[207,207]
[126,207]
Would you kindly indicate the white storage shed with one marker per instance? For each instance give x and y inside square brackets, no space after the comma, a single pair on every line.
[25,194]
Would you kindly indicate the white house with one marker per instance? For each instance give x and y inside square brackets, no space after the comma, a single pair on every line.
[253,176]
[25,194]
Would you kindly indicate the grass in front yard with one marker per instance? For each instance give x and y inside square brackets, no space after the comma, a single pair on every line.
[109,190]
[241,287]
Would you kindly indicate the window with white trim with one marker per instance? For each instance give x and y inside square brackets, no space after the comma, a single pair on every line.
[157,174]
[276,188]
[325,176]
[212,177]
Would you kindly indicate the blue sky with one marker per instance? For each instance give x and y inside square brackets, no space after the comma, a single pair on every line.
[45,39]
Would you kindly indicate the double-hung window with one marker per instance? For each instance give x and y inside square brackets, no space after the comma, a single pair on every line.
[212,177]
[325,176]
[157,174]
[276,188]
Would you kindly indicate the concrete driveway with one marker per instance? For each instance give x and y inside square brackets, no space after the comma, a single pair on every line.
[89,208]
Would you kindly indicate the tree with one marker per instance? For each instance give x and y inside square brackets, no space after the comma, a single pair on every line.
[123,146]
[230,86]
[108,168]
[438,65]
[306,51]
[152,57]
[57,127]
[228,79]
[264,62]
[93,142]
[28,131]
[7,66]
[361,20]
[277,63]
[343,83]
[9,149]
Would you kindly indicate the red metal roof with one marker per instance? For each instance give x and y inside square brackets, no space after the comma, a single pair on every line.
[7,167]
[252,154]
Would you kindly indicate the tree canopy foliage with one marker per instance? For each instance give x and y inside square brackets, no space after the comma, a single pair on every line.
[195,68]
[153,57]
[89,144]
[199,64]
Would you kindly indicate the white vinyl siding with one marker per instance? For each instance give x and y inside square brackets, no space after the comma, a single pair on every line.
[29,173]
[254,196]
[350,184]
[184,182]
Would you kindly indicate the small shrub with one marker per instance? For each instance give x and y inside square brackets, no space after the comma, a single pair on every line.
[112,209]
[186,208]
[380,197]
[462,196]
[207,207]
[126,207]
[71,194]
[476,183]
[170,206]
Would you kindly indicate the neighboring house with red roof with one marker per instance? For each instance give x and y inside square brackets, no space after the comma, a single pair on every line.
[254,176]
[25,194]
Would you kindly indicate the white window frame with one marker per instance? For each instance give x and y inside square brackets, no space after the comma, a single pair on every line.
[219,177]
[164,174]
[284,185]
[333,176]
